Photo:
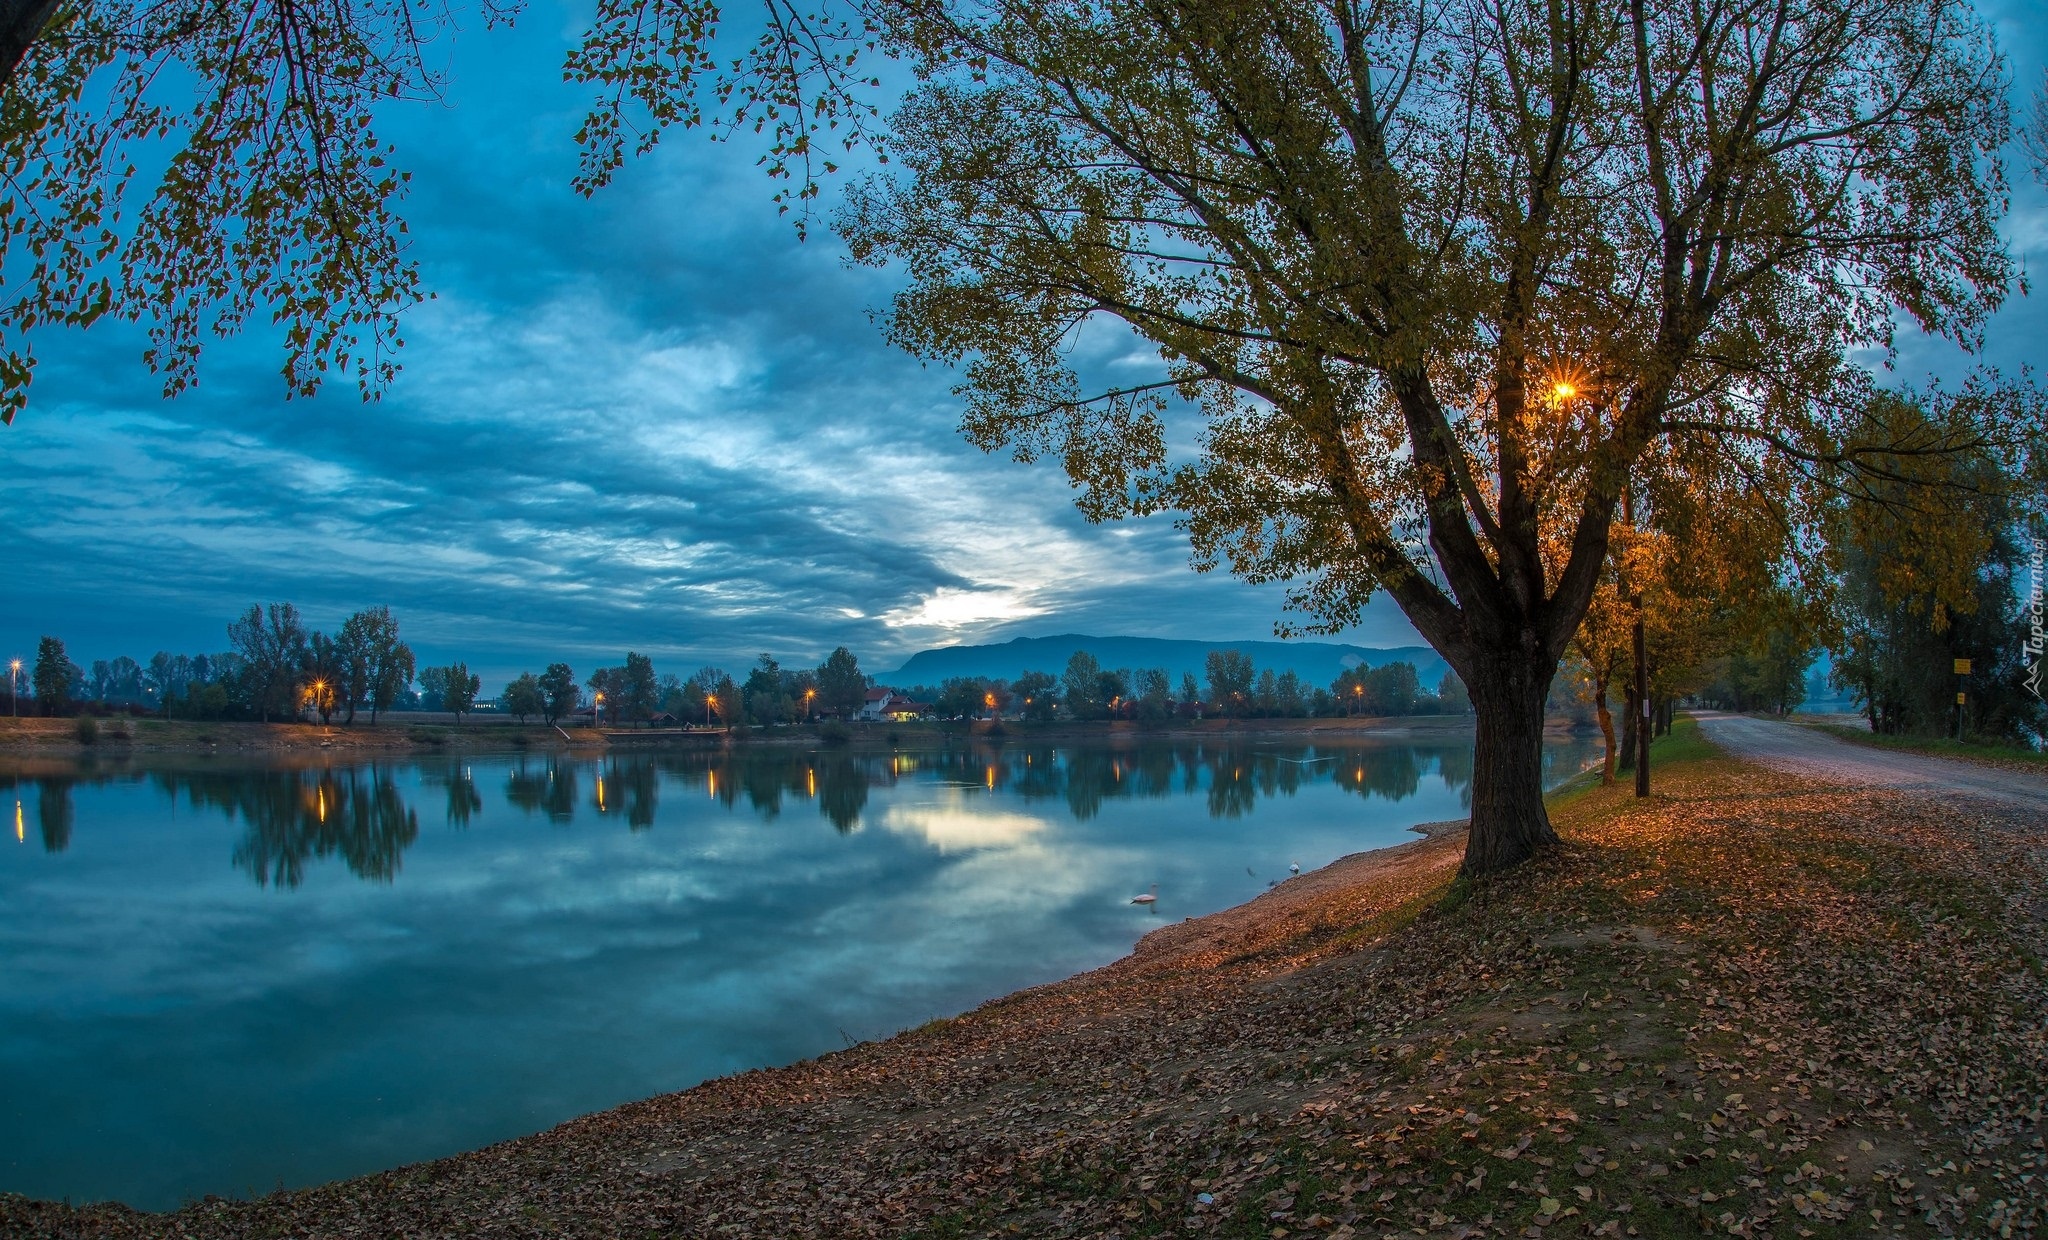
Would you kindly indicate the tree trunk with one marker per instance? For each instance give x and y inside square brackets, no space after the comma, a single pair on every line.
[1509,822]
[1606,731]
[1631,716]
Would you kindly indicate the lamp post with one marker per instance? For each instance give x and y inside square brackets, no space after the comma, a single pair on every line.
[597,711]
[710,700]
[808,695]
[14,687]
[1642,694]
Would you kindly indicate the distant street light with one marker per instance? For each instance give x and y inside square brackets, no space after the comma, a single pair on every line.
[14,687]
[808,695]
[710,700]
[597,711]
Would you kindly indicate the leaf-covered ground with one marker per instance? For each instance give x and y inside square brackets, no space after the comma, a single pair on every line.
[1751,1006]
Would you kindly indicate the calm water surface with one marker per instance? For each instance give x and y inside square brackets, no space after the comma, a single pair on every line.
[223,976]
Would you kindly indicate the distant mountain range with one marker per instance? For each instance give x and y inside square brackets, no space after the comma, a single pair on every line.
[1317,663]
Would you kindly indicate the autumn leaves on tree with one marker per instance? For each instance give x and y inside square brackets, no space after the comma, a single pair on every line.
[1431,284]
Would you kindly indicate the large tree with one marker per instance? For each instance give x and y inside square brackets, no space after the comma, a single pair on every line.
[51,676]
[558,690]
[376,666]
[842,686]
[273,644]
[636,683]
[1930,575]
[1427,278]
[523,697]
[459,687]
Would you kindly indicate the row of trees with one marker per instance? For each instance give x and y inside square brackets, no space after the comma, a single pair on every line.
[275,668]
[279,669]
[1234,688]
[634,693]
[1920,562]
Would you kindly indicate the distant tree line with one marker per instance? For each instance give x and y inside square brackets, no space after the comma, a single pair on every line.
[1233,687]
[635,694]
[275,668]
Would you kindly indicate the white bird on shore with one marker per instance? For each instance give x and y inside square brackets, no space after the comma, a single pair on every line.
[1150,897]
[1294,867]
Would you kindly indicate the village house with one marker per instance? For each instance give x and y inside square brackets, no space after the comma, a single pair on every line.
[892,704]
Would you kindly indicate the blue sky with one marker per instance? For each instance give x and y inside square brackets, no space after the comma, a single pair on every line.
[654,420]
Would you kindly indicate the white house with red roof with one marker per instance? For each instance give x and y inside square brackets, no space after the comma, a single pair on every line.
[882,703]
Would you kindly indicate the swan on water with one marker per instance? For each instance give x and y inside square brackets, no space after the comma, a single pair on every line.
[1150,897]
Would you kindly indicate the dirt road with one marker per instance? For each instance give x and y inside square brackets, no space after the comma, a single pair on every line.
[1805,751]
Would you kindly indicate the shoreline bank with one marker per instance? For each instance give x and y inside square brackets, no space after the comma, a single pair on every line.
[401,735]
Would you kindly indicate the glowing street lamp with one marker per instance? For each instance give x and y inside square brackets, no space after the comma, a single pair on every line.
[989,700]
[710,700]
[14,686]
[808,695]
[597,711]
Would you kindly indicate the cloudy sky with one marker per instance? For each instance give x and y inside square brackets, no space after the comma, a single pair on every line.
[654,420]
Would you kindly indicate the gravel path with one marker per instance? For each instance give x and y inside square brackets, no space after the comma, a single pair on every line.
[1805,751]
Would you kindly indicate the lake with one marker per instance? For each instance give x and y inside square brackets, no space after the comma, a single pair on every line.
[227,975]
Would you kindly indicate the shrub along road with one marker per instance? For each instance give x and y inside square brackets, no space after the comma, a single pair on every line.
[1757,1004]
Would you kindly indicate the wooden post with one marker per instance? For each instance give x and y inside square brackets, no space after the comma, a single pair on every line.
[1642,695]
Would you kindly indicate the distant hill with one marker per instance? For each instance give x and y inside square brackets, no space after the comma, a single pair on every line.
[1317,663]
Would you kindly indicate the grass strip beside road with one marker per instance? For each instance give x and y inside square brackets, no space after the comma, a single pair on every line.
[1752,1006]
[1989,753]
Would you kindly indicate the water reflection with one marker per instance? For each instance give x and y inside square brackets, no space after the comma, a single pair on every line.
[573,932]
[464,801]
[548,789]
[54,812]
[291,818]
[295,818]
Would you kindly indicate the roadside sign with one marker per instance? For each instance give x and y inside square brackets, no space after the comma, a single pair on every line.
[1962,667]
[1959,699]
